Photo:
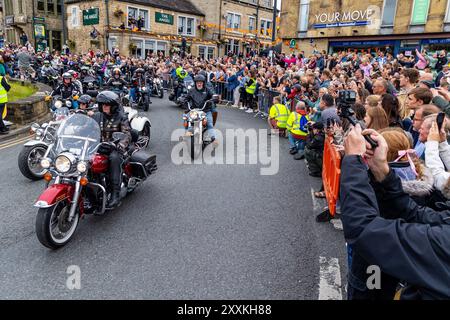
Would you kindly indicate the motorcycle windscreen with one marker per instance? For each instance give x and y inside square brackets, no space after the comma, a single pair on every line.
[79,135]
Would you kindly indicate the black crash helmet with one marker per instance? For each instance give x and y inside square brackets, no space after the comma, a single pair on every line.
[109,98]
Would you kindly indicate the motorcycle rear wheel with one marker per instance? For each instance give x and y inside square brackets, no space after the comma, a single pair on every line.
[52,228]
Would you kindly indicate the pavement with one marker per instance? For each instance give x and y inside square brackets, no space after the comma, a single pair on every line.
[189,232]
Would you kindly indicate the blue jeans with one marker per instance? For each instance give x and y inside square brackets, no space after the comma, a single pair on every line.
[210,125]
[297,144]
[132,94]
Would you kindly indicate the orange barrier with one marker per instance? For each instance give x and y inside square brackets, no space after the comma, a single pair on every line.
[331,174]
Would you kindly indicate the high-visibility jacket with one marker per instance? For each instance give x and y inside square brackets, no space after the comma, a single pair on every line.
[181,73]
[251,89]
[296,124]
[3,93]
[280,113]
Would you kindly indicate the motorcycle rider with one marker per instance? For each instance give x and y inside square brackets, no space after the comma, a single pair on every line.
[111,118]
[197,96]
[116,84]
[137,81]
[85,105]
[67,89]
[47,69]
[76,81]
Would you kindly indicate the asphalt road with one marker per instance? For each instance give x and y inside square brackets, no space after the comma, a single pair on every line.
[190,232]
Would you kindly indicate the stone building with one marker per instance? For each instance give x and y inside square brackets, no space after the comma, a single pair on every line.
[238,25]
[394,25]
[106,24]
[40,20]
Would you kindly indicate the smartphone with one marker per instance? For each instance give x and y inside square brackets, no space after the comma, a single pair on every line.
[440,120]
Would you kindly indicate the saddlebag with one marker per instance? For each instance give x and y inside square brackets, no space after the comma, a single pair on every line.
[143,164]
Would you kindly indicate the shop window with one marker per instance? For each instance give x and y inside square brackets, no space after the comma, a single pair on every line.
[112,43]
[161,48]
[205,52]
[233,46]
[56,40]
[20,6]
[149,47]
[389,11]
[304,15]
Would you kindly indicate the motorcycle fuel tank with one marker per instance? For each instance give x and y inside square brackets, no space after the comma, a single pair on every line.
[100,164]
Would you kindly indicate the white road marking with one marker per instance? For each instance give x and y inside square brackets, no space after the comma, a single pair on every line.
[15,142]
[330,279]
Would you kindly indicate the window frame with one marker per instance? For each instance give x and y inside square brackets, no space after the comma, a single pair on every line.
[184,32]
[234,14]
[77,24]
[412,11]
[303,25]
[382,14]
[265,29]
[138,10]
[252,18]
[447,13]
[206,52]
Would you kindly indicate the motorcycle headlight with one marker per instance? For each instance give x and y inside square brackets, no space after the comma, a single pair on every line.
[82,167]
[193,115]
[63,164]
[189,87]
[58,104]
[45,163]
[34,127]
[144,88]
[68,104]
[39,132]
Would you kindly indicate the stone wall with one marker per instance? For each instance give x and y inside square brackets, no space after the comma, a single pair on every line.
[31,109]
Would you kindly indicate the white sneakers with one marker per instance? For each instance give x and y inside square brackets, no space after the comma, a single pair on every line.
[249,110]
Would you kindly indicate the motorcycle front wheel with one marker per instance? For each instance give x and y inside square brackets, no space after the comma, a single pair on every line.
[53,229]
[29,161]
[196,148]
[161,93]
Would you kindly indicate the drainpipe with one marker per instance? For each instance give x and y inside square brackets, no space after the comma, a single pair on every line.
[63,20]
[107,25]
[32,25]
[220,28]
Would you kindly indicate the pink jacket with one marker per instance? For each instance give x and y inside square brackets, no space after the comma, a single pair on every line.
[422,63]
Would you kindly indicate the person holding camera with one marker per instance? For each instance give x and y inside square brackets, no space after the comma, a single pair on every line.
[387,229]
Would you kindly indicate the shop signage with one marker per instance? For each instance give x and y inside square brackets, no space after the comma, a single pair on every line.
[39,30]
[38,19]
[343,19]
[361,43]
[90,17]
[9,20]
[420,12]
[163,18]
[436,41]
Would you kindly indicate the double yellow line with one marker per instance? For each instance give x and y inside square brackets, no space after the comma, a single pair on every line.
[15,142]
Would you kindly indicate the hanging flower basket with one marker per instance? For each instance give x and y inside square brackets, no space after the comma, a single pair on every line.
[132,47]
[118,12]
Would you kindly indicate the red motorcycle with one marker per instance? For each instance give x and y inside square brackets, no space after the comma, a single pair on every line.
[81,180]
